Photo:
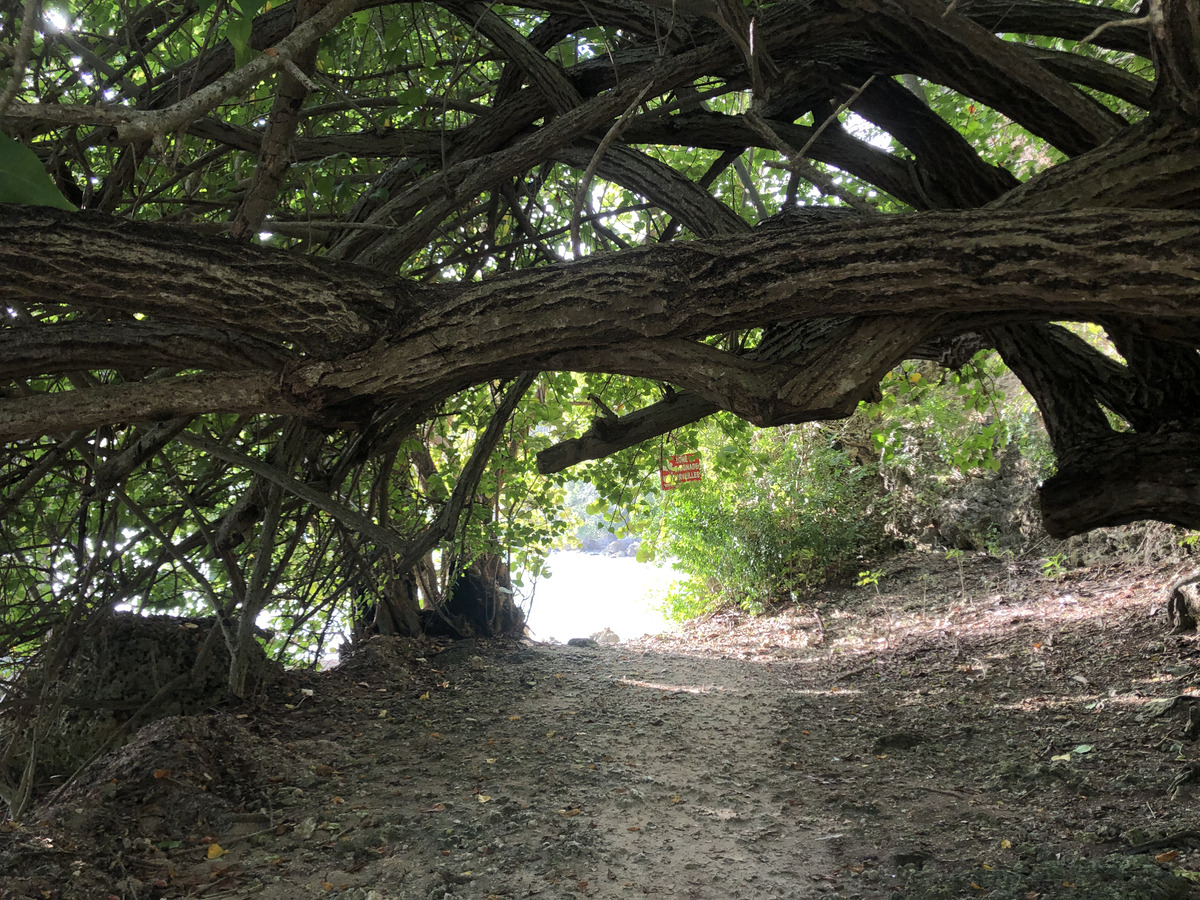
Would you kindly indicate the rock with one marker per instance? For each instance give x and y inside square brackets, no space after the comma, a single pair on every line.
[623,546]
[582,642]
[607,636]
[1183,603]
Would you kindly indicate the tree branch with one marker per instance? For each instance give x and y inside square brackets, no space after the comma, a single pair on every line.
[1125,478]
[135,125]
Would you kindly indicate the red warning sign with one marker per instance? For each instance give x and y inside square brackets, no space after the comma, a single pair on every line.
[682,468]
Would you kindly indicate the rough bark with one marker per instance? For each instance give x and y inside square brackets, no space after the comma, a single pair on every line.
[117,323]
[374,339]
[1125,478]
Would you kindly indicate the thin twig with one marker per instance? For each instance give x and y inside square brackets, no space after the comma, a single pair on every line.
[794,162]
[1153,18]
[833,117]
[589,173]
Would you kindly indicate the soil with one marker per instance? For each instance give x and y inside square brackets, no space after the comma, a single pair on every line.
[966,727]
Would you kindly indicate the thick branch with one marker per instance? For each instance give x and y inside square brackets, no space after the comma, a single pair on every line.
[1014,267]
[52,349]
[144,401]
[1125,478]
[950,165]
[606,436]
[96,262]
[681,197]
[1153,165]
[966,56]
[1067,378]
[275,158]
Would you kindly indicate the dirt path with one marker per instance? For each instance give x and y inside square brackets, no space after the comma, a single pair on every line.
[968,731]
[557,771]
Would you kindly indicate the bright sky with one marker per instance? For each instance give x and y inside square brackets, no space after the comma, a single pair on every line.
[589,593]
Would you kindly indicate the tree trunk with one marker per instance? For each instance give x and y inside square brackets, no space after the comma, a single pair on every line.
[479,603]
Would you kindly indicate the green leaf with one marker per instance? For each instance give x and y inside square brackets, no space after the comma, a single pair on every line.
[237,32]
[23,180]
[250,8]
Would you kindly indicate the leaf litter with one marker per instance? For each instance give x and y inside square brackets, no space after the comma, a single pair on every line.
[1022,738]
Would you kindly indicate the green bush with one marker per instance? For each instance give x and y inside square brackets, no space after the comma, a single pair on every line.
[770,519]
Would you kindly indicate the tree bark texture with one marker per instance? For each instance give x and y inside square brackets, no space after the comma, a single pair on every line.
[367,338]
[112,322]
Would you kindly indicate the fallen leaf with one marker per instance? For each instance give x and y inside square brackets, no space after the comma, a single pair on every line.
[437,807]
[513,718]
[483,798]
[1005,844]
[215,851]
[568,812]
[491,760]
[424,696]
[162,773]
[550,734]
[633,828]
[1169,856]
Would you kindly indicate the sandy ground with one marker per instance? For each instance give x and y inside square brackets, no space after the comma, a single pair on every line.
[970,728]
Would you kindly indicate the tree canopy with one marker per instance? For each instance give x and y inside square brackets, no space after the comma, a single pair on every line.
[276,242]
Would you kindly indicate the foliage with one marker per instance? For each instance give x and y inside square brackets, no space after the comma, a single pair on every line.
[957,414]
[1054,566]
[442,144]
[777,513]
[22,178]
